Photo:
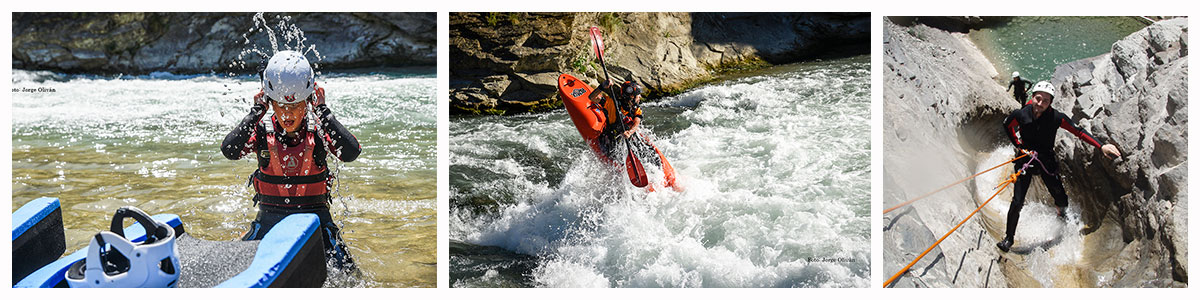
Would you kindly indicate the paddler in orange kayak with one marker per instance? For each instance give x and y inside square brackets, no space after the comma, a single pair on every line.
[625,106]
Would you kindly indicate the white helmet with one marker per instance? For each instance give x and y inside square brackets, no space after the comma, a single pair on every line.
[288,78]
[1016,74]
[1045,87]
[153,263]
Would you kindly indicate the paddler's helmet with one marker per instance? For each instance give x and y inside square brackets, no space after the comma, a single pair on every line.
[1016,74]
[631,89]
[1045,87]
[288,78]
[113,261]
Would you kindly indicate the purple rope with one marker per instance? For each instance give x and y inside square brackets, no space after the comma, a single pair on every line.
[1033,157]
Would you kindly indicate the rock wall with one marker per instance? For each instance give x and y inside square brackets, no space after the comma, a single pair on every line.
[941,107]
[510,62]
[139,43]
[1136,96]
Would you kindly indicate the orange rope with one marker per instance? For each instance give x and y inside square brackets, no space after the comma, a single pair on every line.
[952,184]
[1011,178]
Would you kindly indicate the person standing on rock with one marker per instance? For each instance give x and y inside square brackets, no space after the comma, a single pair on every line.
[625,107]
[292,176]
[1033,128]
[1020,86]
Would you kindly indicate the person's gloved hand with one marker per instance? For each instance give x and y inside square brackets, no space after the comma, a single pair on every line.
[606,85]
[318,97]
[260,98]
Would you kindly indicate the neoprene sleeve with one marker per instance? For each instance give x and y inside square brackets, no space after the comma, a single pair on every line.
[340,141]
[236,143]
[1066,123]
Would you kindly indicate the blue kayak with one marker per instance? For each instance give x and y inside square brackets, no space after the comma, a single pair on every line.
[290,255]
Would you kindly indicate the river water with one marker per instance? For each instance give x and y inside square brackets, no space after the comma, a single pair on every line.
[1034,46]
[775,172]
[99,143]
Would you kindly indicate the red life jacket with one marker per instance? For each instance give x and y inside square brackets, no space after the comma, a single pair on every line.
[292,177]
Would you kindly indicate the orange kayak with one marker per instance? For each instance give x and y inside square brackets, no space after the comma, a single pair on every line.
[589,119]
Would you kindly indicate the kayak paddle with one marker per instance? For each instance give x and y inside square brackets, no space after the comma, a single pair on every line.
[637,174]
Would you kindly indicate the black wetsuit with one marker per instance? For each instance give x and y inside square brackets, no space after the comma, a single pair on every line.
[1037,134]
[248,137]
[1019,92]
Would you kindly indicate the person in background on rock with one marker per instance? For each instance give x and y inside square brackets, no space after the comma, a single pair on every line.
[625,107]
[1037,123]
[292,175]
[1020,87]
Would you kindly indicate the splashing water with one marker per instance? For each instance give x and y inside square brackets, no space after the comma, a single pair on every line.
[1051,248]
[153,141]
[775,169]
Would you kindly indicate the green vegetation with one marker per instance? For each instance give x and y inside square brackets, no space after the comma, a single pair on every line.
[611,22]
[515,18]
[493,18]
[583,63]
[750,63]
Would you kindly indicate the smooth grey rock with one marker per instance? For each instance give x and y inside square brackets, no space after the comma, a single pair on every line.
[1142,110]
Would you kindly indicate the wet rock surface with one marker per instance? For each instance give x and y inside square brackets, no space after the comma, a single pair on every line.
[1136,97]
[503,63]
[941,107]
[141,43]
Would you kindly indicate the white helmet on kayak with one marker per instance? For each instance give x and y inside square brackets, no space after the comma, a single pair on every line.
[1016,74]
[1045,87]
[288,78]
[116,262]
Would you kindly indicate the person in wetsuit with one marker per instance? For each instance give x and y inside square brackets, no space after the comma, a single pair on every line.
[293,175]
[624,107]
[1036,124]
[1018,87]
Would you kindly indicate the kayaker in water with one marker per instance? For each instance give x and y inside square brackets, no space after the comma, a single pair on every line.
[1019,87]
[1037,123]
[292,175]
[625,107]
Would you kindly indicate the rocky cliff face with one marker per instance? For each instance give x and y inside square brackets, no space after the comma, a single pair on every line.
[141,43]
[510,62]
[1136,96]
[942,109]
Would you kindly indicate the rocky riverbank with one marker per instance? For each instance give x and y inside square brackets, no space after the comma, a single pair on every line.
[942,107]
[509,62]
[187,43]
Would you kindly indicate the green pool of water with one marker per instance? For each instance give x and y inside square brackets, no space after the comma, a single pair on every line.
[1035,45]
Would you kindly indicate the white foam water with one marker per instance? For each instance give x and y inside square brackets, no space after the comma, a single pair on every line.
[775,175]
[1051,246]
